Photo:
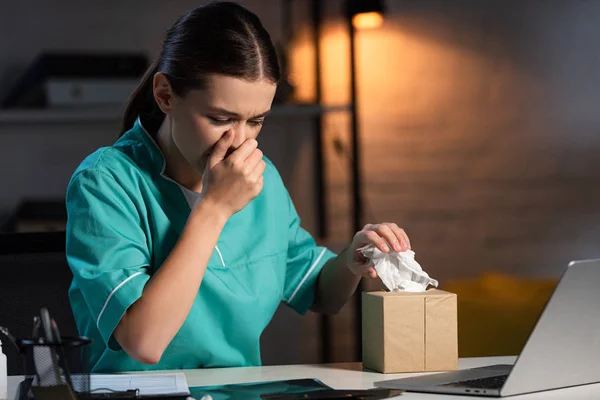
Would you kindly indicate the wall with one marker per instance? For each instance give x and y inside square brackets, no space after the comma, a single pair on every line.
[111,25]
[479,132]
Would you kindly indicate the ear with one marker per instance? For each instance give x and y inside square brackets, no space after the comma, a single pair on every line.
[163,93]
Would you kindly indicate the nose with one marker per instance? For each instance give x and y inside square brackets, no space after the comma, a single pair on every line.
[240,135]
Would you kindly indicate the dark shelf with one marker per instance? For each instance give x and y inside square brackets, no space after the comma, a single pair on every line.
[111,114]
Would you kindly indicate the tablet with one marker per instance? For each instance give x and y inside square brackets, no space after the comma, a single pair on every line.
[251,391]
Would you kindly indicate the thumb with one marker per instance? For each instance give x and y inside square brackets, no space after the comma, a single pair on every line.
[220,149]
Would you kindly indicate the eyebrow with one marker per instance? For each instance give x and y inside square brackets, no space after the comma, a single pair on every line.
[232,114]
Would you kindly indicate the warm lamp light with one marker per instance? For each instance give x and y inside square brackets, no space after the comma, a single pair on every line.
[366,14]
[367,20]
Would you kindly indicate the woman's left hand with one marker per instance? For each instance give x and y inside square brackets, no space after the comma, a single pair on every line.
[386,237]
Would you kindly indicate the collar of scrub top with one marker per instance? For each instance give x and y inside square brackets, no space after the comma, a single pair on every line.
[158,159]
[156,154]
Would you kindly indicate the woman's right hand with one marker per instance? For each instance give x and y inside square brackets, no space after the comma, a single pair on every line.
[231,182]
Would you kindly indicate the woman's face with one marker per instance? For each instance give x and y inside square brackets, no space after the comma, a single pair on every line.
[203,116]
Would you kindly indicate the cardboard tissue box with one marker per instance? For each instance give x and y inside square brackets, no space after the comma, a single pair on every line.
[409,332]
[409,329]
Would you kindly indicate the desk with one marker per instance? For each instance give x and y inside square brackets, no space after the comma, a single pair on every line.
[349,376]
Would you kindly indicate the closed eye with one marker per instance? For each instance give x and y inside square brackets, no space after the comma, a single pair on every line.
[256,122]
[220,121]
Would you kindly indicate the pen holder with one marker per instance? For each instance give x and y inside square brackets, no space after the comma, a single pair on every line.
[56,370]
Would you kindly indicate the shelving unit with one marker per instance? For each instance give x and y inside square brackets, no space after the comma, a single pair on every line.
[94,115]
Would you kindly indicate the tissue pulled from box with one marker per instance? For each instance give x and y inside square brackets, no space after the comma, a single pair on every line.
[398,270]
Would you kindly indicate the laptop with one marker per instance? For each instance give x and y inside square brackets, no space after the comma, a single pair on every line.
[562,351]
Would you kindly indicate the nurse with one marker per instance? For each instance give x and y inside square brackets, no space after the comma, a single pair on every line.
[181,236]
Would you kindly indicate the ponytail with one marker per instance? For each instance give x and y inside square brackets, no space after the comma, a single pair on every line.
[141,100]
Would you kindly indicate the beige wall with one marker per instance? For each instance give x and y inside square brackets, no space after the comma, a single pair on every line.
[479,124]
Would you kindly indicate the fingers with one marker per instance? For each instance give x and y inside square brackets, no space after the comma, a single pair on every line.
[259,185]
[386,233]
[240,155]
[390,233]
[380,236]
[253,160]
[400,235]
[221,148]
[374,238]
[249,159]
[258,171]
[370,272]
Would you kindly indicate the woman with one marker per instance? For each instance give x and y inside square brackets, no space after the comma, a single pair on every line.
[181,236]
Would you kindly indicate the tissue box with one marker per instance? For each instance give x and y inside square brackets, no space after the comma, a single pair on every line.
[409,332]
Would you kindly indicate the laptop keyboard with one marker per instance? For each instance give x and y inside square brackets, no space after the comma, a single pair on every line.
[493,382]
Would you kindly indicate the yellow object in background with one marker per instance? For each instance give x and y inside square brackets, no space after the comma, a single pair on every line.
[497,312]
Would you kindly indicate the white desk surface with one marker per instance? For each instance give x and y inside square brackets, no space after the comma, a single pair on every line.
[349,376]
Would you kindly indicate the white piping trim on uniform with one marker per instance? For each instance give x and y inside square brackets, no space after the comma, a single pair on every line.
[220,255]
[112,293]
[306,276]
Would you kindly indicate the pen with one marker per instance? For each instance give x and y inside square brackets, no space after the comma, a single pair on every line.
[5,332]
[61,350]
[36,328]
[47,326]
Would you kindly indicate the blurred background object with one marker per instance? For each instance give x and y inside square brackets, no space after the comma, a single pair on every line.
[34,273]
[497,312]
[77,80]
[37,216]
[472,124]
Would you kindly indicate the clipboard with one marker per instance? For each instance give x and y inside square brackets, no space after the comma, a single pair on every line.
[26,385]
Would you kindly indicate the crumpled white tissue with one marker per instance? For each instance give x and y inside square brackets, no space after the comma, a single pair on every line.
[398,270]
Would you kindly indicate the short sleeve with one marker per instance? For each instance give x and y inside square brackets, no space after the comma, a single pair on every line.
[106,248]
[305,260]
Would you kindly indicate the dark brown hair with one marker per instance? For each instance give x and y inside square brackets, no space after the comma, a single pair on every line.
[216,38]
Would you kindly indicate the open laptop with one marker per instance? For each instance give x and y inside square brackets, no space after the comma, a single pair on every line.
[563,350]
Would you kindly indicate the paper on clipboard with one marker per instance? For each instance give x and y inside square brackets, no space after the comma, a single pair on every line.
[147,384]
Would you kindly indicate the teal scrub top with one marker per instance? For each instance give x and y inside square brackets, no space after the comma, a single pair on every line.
[124,218]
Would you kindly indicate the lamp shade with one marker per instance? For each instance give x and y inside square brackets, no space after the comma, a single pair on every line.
[366,13]
[365,6]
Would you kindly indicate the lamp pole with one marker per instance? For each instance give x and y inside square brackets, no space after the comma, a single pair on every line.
[356,182]
[355,136]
